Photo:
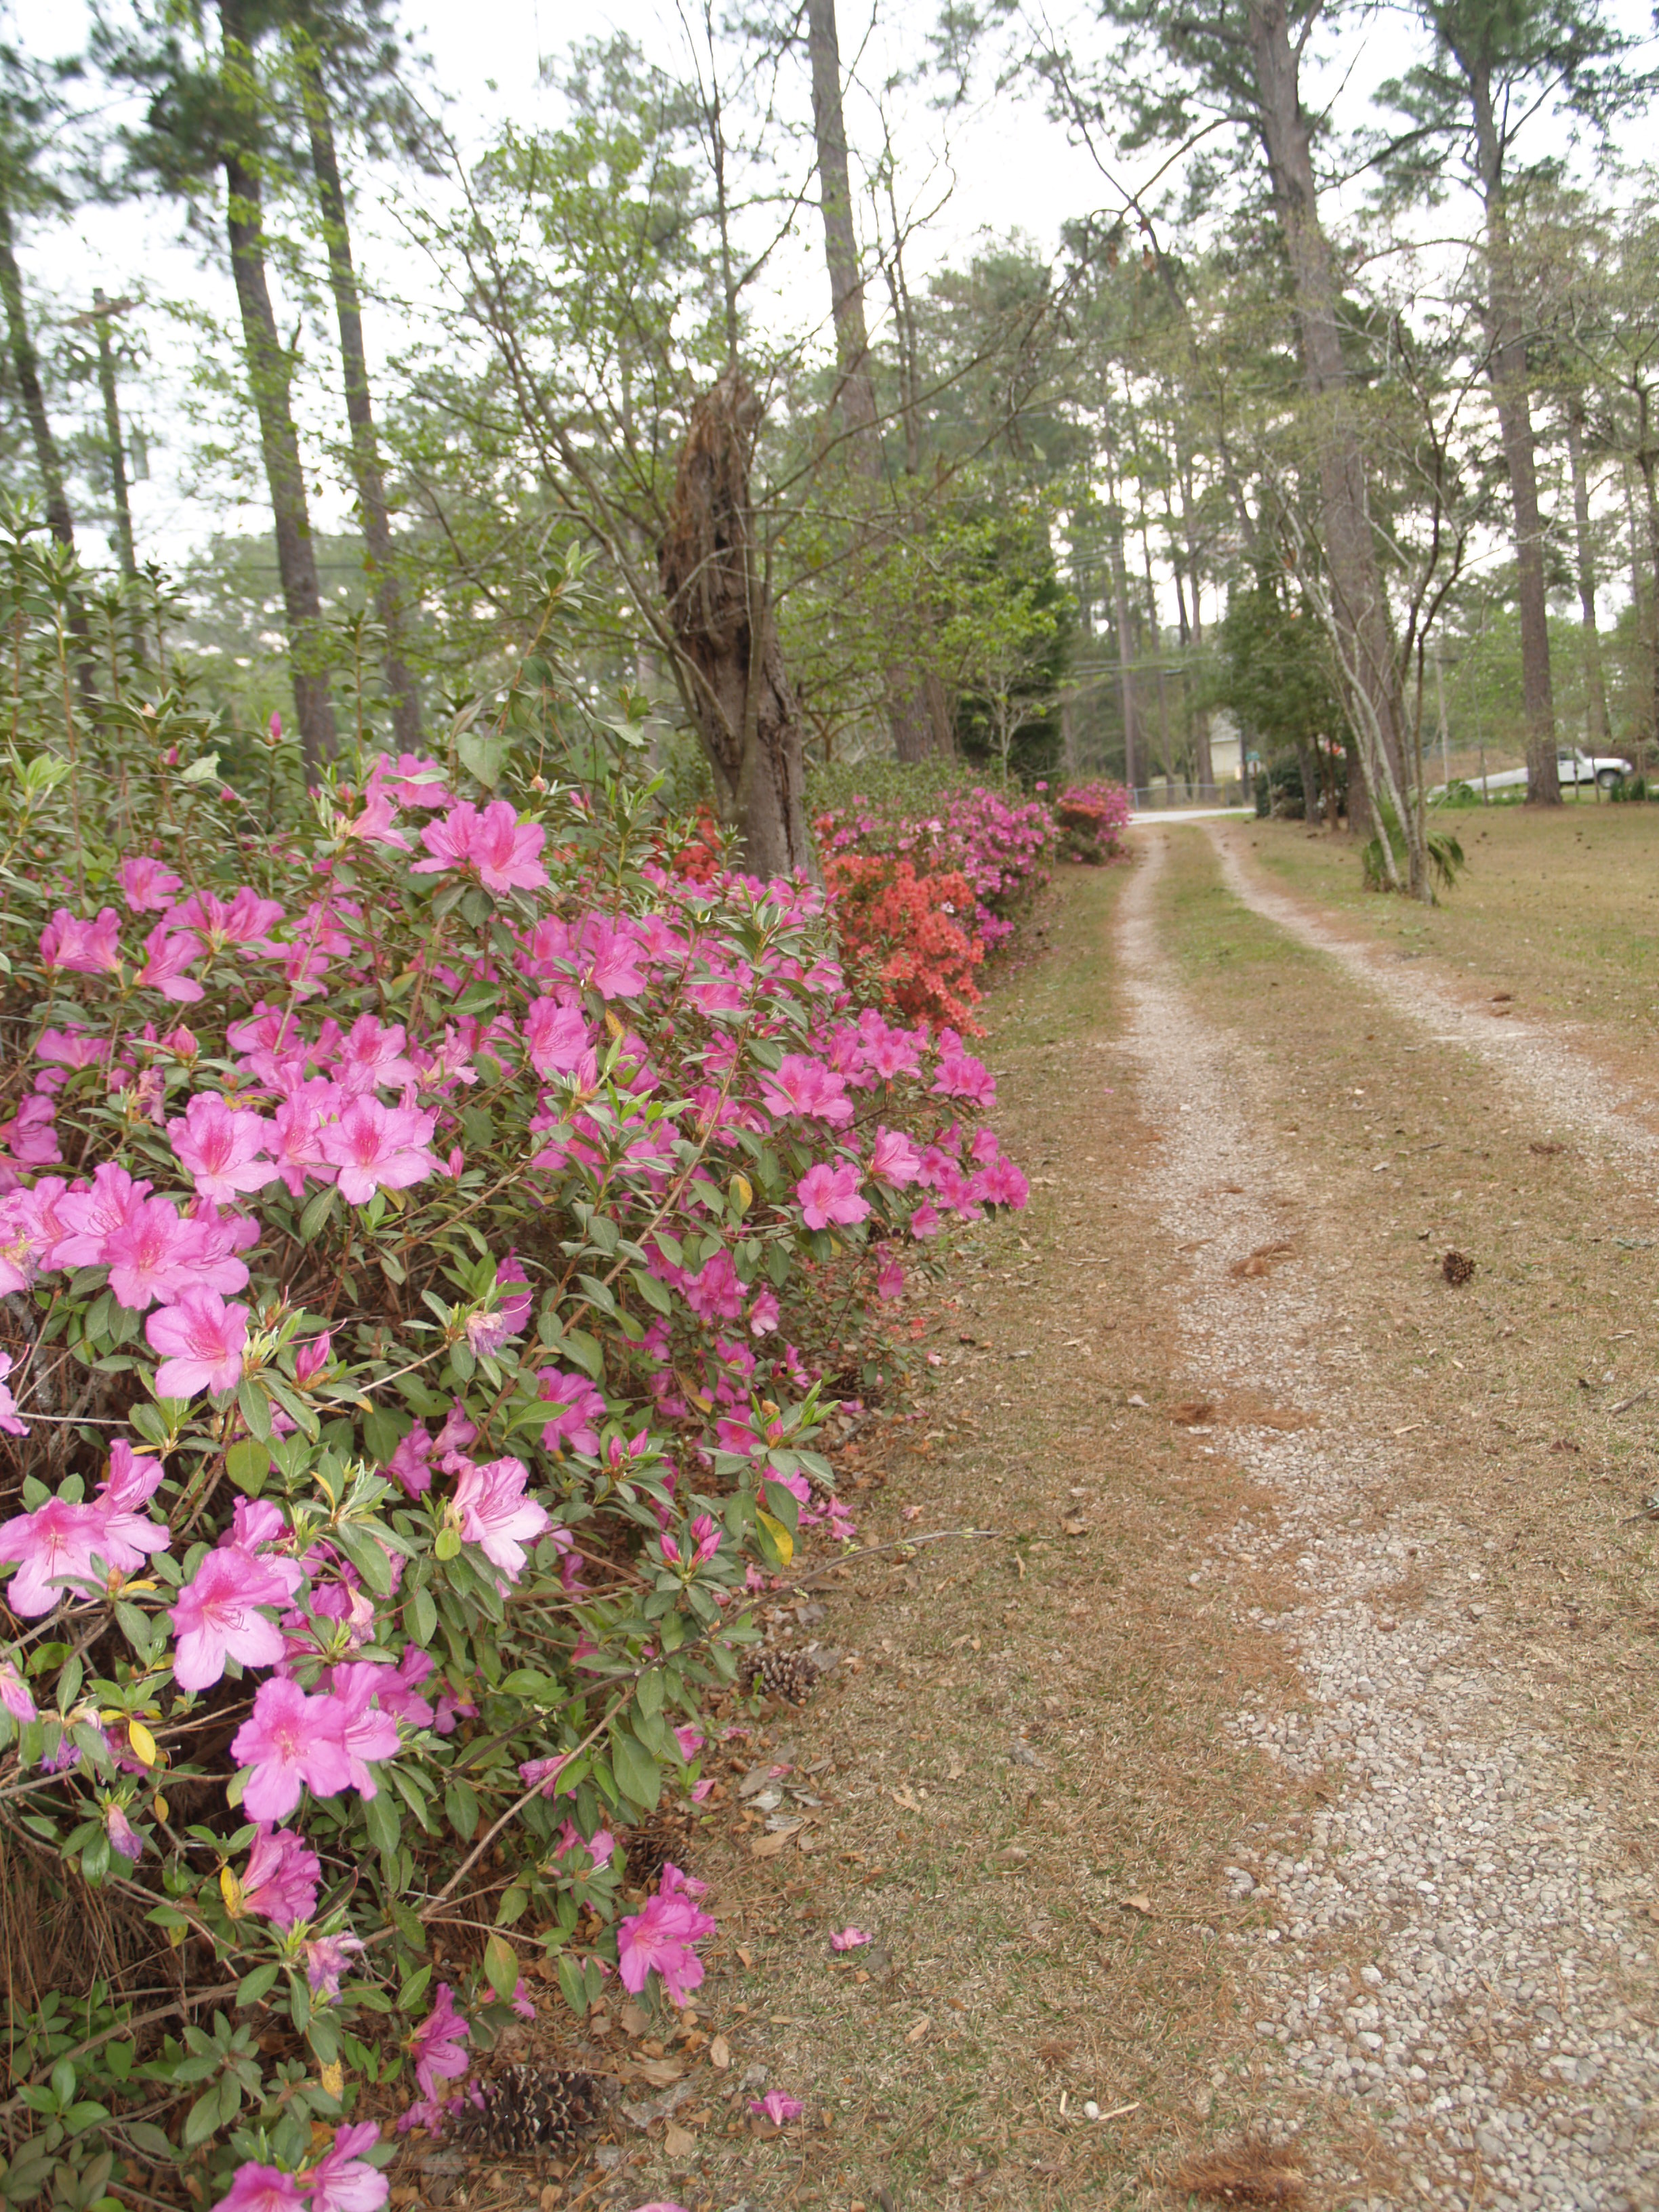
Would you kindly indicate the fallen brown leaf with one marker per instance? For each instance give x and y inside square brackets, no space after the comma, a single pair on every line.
[1192,1411]
[719,2054]
[1261,1261]
[678,2142]
[916,2034]
[1252,2174]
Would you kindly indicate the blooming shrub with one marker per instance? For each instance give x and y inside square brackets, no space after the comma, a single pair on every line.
[924,877]
[1088,816]
[430,1242]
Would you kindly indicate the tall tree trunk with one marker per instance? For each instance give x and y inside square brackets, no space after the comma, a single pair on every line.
[1647,459]
[914,724]
[26,367]
[1125,664]
[729,659]
[102,312]
[365,470]
[270,374]
[1596,695]
[1511,385]
[1358,614]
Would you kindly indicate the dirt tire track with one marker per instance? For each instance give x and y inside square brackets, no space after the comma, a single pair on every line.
[1455,1958]
[1536,1061]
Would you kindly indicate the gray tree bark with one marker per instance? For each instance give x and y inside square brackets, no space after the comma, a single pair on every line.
[25,367]
[1358,613]
[365,470]
[1511,394]
[729,659]
[1596,694]
[270,378]
[914,724]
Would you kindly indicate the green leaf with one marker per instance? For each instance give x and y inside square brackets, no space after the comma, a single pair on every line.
[636,1771]
[501,1963]
[482,753]
[253,1986]
[647,1692]
[461,1808]
[255,1406]
[317,1211]
[421,1615]
[654,1294]
[383,1432]
[202,2118]
[514,1901]
[247,1463]
[383,1822]
[573,1985]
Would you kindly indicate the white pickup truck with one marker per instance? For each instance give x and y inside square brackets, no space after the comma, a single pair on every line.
[1572,767]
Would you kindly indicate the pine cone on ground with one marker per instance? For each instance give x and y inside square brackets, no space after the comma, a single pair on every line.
[533,2112]
[1458,1268]
[662,1838]
[791,1676]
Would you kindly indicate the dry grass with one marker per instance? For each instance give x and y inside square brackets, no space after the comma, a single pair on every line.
[1558,914]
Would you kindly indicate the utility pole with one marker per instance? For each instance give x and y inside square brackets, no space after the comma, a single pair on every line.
[100,315]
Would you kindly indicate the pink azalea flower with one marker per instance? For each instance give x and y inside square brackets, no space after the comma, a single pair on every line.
[610,961]
[377,1148]
[280,1879]
[894,1159]
[293,1139]
[222,1148]
[70,1048]
[373,824]
[217,1617]
[925,1221]
[502,848]
[372,1055]
[523,2003]
[123,1836]
[262,2188]
[293,1743]
[169,954]
[410,781]
[310,1360]
[153,1255]
[889,1282]
[776,2108]
[343,2180]
[543,1774]
[848,1939]
[15,1697]
[90,948]
[328,1957]
[435,2046]
[827,1194]
[408,1463]
[496,1515]
[764,1313]
[690,1742]
[146,885]
[600,1846]
[204,1338]
[659,1939]
[367,1732]
[53,1546]
[555,1034]
[10,1419]
[87,1217]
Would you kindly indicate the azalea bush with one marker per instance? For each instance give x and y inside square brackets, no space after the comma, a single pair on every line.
[926,873]
[433,1238]
[1089,817]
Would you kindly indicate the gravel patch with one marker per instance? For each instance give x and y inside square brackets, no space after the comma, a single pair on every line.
[1454,1954]
[1534,1061]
